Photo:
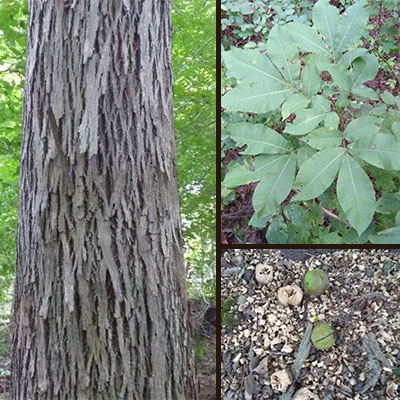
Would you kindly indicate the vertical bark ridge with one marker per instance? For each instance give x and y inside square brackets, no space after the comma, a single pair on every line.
[100,296]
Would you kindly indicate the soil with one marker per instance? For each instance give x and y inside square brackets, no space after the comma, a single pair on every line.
[362,305]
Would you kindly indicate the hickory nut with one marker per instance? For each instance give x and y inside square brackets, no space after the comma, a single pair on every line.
[323,336]
[264,273]
[281,380]
[316,282]
[290,295]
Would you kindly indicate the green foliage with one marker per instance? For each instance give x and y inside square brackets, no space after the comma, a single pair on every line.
[13,25]
[194,42]
[249,19]
[200,350]
[342,147]
[226,312]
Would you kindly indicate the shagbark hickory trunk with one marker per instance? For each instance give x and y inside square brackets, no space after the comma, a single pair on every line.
[100,297]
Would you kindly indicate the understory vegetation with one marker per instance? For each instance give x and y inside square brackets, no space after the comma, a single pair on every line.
[311,122]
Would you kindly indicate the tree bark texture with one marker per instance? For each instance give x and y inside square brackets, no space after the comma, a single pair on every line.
[100,296]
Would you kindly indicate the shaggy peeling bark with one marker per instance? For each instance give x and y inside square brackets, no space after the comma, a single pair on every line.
[100,297]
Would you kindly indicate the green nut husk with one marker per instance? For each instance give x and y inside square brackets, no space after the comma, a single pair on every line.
[316,282]
[323,336]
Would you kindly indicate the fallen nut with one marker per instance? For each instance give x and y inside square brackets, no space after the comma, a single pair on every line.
[281,380]
[264,273]
[290,295]
[305,394]
[323,336]
[262,367]
[316,282]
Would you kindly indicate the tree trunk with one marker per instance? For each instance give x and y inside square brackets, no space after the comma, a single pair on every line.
[100,296]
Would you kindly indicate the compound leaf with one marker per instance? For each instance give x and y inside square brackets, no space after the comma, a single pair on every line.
[356,194]
[258,139]
[365,68]
[323,138]
[351,26]
[244,174]
[326,18]
[251,66]
[318,173]
[381,150]
[361,127]
[307,39]
[388,236]
[293,103]
[256,98]
[306,121]
[274,187]
[282,50]
[311,80]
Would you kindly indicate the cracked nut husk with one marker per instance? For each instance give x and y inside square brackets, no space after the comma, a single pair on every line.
[264,273]
[281,380]
[290,295]
[305,394]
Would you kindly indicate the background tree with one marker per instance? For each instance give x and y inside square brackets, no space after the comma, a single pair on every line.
[195,112]
[100,296]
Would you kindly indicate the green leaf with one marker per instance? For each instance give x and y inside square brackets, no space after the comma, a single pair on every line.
[351,26]
[323,138]
[396,128]
[274,187]
[259,223]
[251,66]
[311,80]
[282,50]
[365,93]
[365,68]
[326,18]
[257,98]
[318,173]
[340,76]
[243,174]
[361,127]
[321,103]
[351,55]
[396,371]
[388,236]
[381,150]
[258,139]
[331,121]
[294,103]
[305,122]
[356,194]
[307,39]
[277,232]
[303,154]
[388,203]
[388,98]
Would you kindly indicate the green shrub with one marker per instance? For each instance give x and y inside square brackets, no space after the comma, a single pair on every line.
[342,147]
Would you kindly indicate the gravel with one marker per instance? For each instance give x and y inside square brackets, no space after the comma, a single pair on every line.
[362,304]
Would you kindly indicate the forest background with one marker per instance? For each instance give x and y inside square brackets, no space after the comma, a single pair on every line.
[194,103]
